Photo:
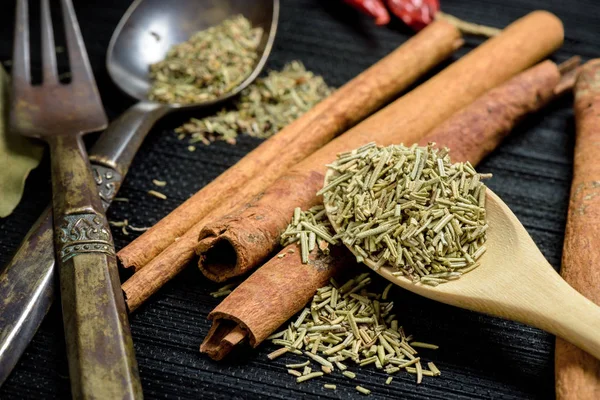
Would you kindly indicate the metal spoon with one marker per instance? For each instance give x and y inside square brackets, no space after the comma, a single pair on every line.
[144,35]
[514,281]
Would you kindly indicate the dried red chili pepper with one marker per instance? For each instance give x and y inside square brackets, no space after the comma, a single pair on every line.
[374,8]
[415,13]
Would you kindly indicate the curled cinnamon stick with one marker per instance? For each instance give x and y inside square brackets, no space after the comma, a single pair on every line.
[282,286]
[269,297]
[238,242]
[577,372]
[342,109]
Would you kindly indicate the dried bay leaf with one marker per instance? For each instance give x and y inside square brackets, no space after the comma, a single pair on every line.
[18,156]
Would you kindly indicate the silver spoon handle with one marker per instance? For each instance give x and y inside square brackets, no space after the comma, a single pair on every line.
[118,145]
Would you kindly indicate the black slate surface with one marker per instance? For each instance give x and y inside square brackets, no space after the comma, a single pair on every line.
[481,357]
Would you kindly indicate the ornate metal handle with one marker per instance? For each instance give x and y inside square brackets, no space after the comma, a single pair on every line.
[99,345]
[108,180]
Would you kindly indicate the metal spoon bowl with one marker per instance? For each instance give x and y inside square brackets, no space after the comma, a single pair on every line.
[143,36]
[150,27]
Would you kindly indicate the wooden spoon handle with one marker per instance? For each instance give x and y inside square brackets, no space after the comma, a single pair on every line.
[561,310]
[578,373]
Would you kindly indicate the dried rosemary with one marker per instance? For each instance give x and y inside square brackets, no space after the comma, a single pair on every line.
[125,226]
[156,194]
[411,208]
[312,224]
[363,390]
[349,323]
[263,108]
[211,63]
[225,290]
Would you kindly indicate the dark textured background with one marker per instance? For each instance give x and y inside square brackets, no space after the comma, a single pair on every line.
[480,356]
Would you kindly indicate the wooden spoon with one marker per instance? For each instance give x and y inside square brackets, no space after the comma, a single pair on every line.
[514,281]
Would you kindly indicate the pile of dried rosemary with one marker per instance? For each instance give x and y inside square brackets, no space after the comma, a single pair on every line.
[211,63]
[311,228]
[409,207]
[349,323]
[263,108]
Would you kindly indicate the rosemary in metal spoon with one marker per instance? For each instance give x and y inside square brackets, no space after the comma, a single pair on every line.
[263,108]
[211,63]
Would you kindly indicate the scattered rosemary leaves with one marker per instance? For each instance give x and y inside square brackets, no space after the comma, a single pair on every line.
[156,194]
[208,65]
[125,227]
[410,208]
[363,390]
[120,224]
[349,374]
[225,290]
[263,108]
[307,377]
[312,228]
[349,323]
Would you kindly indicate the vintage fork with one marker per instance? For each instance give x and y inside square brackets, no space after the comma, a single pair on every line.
[99,346]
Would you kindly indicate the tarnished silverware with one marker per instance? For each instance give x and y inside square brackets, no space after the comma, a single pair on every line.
[99,346]
[26,282]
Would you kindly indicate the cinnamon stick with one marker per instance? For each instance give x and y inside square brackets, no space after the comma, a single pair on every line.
[269,297]
[282,286]
[477,129]
[342,109]
[397,70]
[238,242]
[577,372]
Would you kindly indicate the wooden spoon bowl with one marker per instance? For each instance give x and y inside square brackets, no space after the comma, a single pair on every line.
[514,281]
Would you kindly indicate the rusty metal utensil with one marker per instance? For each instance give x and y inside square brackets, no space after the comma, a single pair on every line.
[144,35]
[99,346]
[150,27]
[27,280]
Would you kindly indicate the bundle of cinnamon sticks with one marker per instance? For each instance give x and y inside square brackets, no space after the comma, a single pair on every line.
[239,241]
[162,252]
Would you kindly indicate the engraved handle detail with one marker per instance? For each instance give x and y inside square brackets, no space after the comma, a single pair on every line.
[84,233]
[108,181]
